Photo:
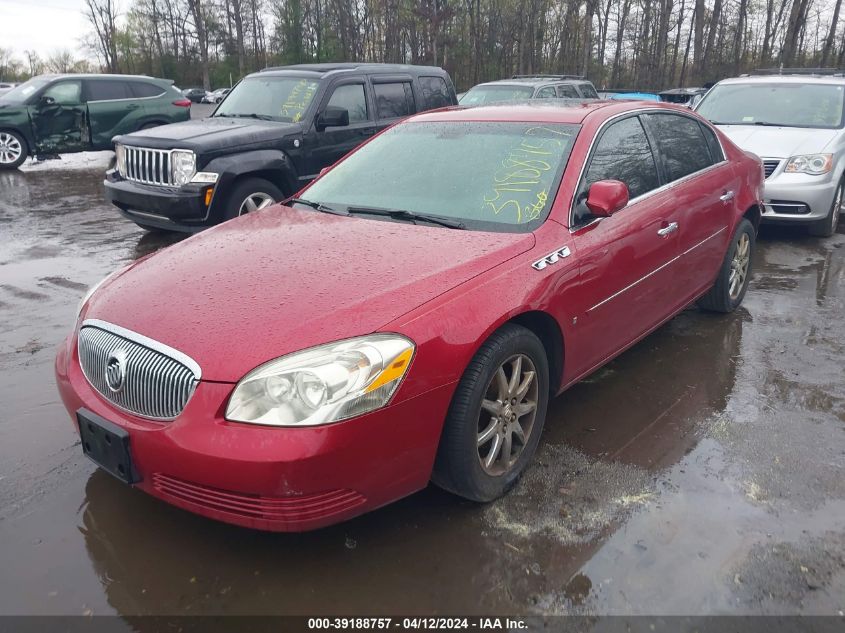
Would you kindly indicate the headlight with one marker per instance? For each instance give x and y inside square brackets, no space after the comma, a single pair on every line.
[120,156]
[183,165]
[323,384]
[815,164]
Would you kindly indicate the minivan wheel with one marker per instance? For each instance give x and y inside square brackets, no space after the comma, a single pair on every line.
[728,291]
[252,194]
[827,226]
[13,149]
[496,416]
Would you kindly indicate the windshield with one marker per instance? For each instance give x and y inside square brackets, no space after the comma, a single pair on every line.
[23,92]
[481,95]
[494,176]
[811,105]
[277,98]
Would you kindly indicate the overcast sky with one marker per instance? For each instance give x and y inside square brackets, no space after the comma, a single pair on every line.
[43,26]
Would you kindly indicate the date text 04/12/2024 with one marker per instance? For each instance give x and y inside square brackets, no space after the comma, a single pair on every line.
[416,623]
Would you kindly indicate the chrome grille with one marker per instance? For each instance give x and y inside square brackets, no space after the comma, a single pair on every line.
[769,167]
[156,381]
[147,166]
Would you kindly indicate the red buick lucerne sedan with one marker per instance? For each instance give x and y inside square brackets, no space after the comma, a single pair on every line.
[408,317]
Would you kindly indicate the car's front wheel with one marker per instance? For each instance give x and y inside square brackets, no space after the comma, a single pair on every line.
[827,226]
[735,273]
[496,416]
[252,194]
[13,149]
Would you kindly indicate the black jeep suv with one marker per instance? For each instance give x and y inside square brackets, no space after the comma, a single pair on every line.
[270,136]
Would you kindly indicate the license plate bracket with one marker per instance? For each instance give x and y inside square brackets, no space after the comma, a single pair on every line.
[107,445]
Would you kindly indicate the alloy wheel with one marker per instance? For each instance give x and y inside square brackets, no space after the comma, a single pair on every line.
[10,148]
[254,202]
[507,416]
[739,266]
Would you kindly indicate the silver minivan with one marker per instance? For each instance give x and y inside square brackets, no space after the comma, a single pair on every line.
[794,123]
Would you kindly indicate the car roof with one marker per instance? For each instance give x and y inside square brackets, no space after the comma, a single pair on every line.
[571,111]
[370,68]
[790,79]
[52,77]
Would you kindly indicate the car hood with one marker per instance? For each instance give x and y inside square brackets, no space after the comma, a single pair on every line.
[203,135]
[282,280]
[778,142]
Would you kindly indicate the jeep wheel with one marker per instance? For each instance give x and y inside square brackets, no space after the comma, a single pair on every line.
[252,194]
[13,150]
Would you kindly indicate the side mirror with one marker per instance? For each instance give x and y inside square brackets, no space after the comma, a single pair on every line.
[44,100]
[332,116]
[606,197]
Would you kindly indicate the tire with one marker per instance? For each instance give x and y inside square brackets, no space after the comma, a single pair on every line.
[256,189]
[827,226]
[13,149]
[724,296]
[458,467]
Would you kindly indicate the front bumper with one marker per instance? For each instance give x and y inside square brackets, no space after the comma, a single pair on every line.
[267,478]
[798,197]
[174,209]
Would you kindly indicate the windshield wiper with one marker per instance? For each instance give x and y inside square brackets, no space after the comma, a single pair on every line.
[317,206]
[773,124]
[251,115]
[410,216]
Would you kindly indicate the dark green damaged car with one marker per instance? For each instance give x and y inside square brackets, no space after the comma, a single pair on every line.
[57,114]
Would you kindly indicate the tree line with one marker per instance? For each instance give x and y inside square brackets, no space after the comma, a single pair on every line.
[632,44]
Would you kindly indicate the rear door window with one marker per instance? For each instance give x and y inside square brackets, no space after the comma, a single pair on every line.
[680,144]
[435,92]
[108,90]
[567,91]
[354,99]
[394,99]
[142,89]
[716,152]
[588,91]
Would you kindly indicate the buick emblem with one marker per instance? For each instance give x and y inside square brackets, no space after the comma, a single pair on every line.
[116,370]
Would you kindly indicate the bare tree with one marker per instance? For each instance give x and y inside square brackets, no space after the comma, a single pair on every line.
[102,14]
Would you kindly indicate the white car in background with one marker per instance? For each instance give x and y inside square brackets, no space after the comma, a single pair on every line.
[6,86]
[794,123]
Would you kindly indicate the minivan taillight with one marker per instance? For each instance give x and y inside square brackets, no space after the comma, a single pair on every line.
[182,103]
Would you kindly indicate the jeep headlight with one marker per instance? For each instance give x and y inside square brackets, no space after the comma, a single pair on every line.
[183,165]
[323,384]
[120,159]
[814,164]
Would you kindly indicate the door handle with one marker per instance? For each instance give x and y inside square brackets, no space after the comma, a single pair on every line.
[727,196]
[666,230]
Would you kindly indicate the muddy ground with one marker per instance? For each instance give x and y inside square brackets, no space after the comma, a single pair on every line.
[701,472]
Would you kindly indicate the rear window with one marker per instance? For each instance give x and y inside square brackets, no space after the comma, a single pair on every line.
[142,89]
[108,90]
[435,92]
[482,95]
